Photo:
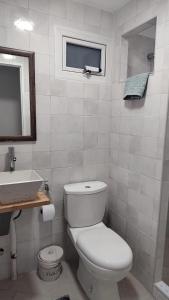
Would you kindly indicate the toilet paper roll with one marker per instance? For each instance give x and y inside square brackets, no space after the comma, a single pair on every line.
[48,212]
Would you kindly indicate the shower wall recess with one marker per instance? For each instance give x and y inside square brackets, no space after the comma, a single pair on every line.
[141,49]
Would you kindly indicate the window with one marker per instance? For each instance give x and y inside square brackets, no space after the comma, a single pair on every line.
[80,53]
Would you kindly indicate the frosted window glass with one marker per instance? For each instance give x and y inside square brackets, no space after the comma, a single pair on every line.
[80,56]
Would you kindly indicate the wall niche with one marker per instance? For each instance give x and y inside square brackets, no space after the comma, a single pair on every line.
[141,49]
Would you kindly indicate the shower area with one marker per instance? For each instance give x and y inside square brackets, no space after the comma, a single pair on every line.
[141,54]
[140,149]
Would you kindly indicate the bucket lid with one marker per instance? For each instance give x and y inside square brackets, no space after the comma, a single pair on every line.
[51,254]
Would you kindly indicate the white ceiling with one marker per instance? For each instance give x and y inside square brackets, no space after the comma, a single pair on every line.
[108,5]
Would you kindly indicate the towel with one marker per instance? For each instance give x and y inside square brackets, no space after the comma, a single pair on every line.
[135,87]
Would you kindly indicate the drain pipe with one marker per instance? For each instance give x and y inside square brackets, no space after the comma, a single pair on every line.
[14,217]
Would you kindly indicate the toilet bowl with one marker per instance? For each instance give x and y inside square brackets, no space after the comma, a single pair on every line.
[104,257]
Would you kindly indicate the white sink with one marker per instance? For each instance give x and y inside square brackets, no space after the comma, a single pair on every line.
[19,186]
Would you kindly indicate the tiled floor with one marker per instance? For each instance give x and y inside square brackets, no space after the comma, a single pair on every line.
[30,287]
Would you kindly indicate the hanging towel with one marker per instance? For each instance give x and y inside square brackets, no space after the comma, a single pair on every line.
[135,87]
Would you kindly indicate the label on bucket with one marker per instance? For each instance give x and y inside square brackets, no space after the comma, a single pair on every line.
[49,275]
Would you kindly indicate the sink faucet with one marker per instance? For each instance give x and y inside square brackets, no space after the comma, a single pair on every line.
[12,158]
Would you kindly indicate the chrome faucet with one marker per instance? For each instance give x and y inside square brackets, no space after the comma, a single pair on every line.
[12,158]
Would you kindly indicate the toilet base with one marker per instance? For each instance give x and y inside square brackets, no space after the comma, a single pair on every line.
[94,288]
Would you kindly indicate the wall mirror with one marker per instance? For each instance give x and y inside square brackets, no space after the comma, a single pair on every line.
[17,95]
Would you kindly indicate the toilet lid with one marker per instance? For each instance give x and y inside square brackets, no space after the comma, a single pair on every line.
[51,254]
[105,248]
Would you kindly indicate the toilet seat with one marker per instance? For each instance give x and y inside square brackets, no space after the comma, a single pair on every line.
[104,248]
[88,241]
[102,273]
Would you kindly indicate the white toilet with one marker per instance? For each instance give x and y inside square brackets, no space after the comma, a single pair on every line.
[105,258]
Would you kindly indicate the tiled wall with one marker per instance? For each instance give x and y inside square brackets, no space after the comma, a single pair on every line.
[73,118]
[137,141]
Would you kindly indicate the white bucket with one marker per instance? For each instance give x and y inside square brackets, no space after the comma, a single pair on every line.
[49,263]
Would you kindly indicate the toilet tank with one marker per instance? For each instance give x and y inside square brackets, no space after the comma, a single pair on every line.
[84,203]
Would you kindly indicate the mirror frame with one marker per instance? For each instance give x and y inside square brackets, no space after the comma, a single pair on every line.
[31,60]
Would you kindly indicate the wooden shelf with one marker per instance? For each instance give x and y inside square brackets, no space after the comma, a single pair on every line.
[40,200]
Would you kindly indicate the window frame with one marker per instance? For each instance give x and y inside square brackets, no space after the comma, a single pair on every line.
[85,43]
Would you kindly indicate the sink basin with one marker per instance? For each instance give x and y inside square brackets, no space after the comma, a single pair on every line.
[19,186]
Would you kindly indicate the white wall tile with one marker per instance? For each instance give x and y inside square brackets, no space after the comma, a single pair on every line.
[59,105]
[40,44]
[91,91]
[92,16]
[59,159]
[43,104]
[90,124]
[42,64]
[75,89]
[58,8]
[42,84]
[75,106]
[75,12]
[90,108]
[58,87]
[41,160]
[39,5]
[41,22]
